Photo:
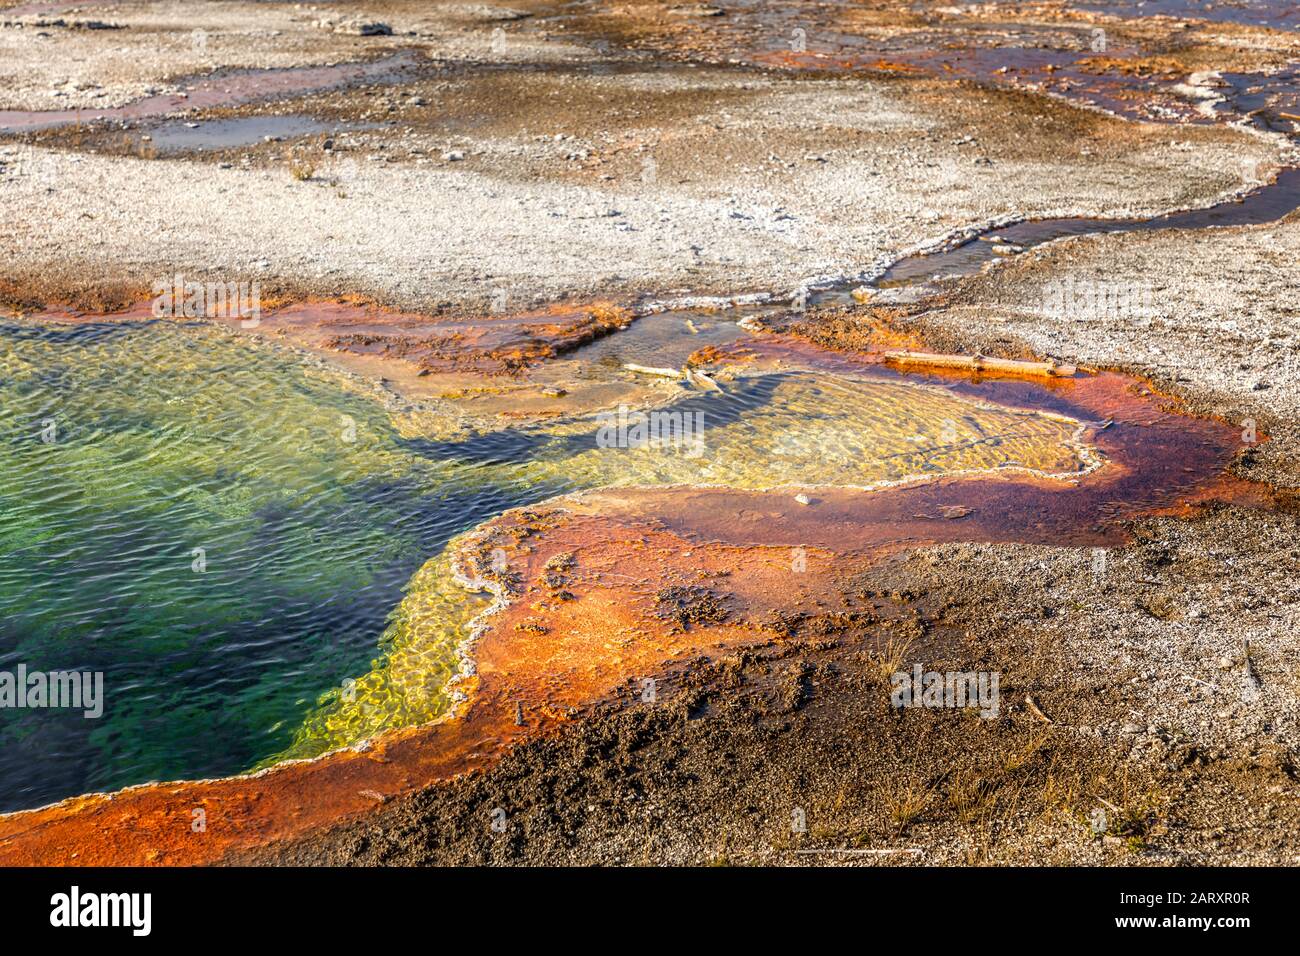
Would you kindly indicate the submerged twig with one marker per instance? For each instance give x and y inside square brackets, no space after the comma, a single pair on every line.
[651,370]
[702,380]
[979,363]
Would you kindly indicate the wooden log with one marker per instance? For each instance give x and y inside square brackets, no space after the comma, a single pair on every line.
[649,370]
[702,380]
[979,363]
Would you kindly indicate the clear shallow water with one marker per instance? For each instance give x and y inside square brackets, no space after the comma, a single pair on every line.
[177,136]
[223,88]
[1269,203]
[323,527]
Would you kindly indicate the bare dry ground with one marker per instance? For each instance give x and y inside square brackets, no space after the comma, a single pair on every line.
[574,173]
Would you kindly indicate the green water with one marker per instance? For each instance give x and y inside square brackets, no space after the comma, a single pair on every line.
[164,439]
[322,527]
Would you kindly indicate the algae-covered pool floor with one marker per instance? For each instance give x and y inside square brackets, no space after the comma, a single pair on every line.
[562,471]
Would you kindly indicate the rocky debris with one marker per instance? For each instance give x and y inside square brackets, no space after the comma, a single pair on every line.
[486,13]
[684,605]
[73,24]
[359,28]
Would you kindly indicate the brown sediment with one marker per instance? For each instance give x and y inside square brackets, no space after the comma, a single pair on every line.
[485,345]
[816,60]
[59,300]
[492,366]
[609,588]
[1044,46]
[64,302]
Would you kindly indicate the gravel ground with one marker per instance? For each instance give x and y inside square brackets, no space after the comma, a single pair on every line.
[62,60]
[744,183]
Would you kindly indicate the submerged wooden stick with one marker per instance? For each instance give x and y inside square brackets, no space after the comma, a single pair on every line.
[702,380]
[650,370]
[979,363]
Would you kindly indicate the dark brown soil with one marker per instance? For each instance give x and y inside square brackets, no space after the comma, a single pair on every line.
[736,753]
